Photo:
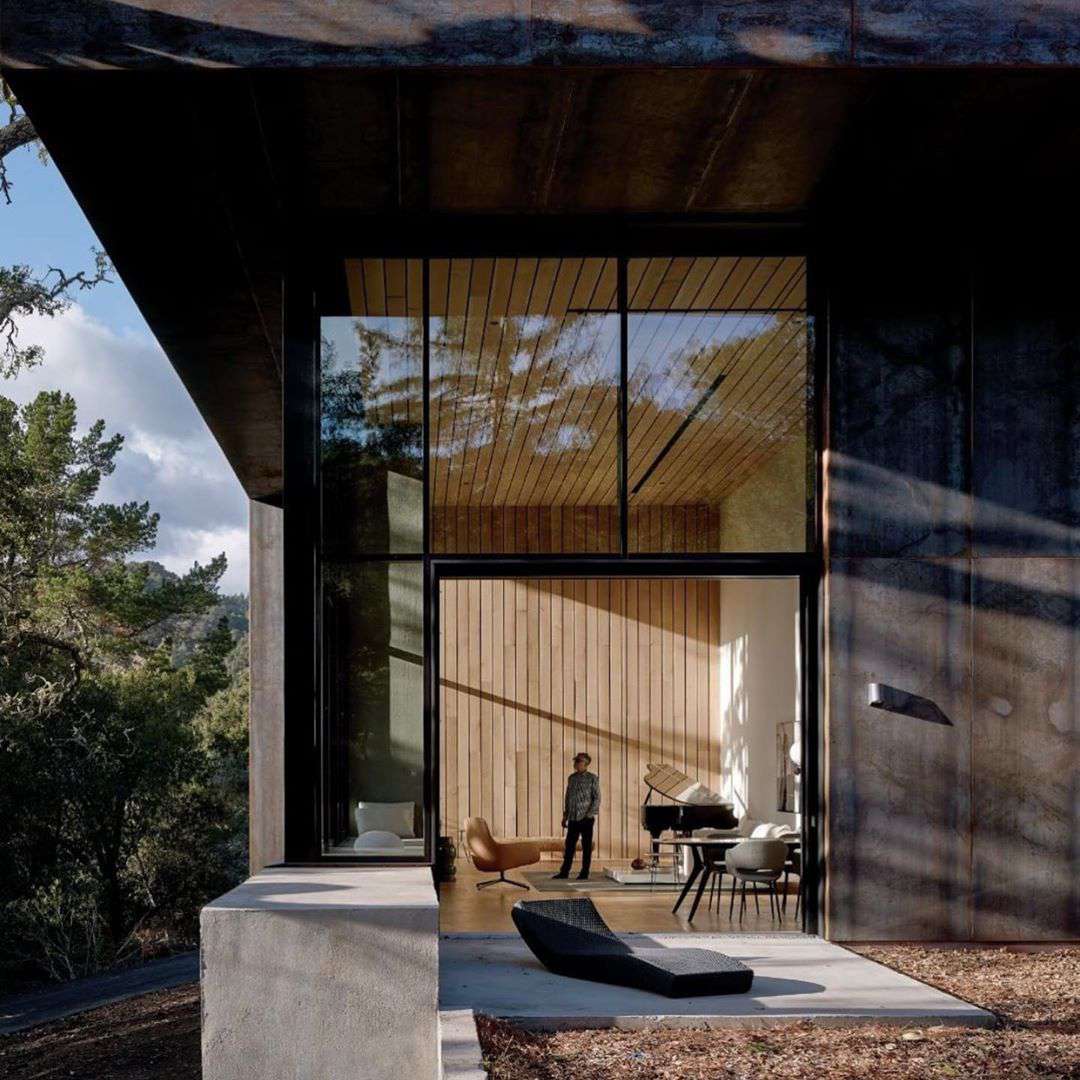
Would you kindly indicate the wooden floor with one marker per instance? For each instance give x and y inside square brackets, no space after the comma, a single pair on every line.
[465,909]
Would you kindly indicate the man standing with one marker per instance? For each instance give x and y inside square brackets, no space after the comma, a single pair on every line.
[580,807]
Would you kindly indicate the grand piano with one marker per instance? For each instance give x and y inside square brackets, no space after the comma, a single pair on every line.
[694,805]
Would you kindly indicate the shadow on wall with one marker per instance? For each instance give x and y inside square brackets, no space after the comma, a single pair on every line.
[978,812]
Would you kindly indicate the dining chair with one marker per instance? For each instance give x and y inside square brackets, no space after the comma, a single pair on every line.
[757,862]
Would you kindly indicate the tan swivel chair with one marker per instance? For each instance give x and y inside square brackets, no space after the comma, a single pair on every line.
[491,855]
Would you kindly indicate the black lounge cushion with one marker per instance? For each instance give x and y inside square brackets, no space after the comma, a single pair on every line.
[570,938]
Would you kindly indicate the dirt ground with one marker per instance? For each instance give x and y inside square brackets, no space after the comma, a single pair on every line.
[154,1037]
[1036,995]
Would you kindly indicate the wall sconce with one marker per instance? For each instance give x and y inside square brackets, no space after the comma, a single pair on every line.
[890,699]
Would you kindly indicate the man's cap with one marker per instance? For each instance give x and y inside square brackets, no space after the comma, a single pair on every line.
[578,757]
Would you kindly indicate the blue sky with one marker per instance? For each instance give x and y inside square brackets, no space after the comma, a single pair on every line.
[103,353]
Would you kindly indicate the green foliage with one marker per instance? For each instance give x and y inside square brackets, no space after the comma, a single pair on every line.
[24,292]
[123,806]
[124,774]
[200,849]
[68,595]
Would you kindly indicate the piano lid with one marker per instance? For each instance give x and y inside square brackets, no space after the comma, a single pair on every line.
[669,781]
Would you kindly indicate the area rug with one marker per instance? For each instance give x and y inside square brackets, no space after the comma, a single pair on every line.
[541,881]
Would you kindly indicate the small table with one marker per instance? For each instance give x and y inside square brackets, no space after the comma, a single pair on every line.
[708,854]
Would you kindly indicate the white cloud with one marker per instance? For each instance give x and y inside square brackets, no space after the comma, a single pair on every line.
[201,545]
[169,458]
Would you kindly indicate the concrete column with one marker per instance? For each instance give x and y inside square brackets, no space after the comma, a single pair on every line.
[328,973]
[266,763]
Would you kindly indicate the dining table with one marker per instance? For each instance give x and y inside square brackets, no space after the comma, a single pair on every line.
[707,853]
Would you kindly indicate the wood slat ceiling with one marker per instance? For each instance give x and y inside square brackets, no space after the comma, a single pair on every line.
[524,370]
[717,361]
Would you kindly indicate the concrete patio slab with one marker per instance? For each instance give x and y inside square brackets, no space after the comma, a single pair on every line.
[796,977]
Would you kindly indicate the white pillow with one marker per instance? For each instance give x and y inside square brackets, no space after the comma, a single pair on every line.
[394,817]
[771,831]
[378,840]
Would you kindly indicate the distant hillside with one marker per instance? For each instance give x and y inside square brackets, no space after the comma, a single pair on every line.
[186,633]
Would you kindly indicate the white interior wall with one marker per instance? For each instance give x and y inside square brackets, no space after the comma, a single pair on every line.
[759,688]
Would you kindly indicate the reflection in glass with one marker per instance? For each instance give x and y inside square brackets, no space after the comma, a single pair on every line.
[373,698]
[717,404]
[524,405]
[372,412]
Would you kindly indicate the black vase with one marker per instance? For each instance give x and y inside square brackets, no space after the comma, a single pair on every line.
[445,859]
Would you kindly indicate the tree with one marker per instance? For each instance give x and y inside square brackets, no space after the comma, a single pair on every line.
[17,132]
[67,590]
[123,755]
[199,846]
[22,291]
[96,725]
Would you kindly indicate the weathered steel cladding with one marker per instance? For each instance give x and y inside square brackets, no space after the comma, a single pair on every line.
[516,33]
[953,574]
[448,33]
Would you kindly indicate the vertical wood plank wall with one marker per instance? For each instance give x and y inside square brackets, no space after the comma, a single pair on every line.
[573,529]
[534,670]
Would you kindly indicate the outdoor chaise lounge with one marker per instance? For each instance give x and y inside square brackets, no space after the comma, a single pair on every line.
[570,938]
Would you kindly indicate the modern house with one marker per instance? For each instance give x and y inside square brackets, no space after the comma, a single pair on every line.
[672,382]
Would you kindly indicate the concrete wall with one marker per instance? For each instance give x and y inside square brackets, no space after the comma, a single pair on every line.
[266,760]
[953,515]
[322,972]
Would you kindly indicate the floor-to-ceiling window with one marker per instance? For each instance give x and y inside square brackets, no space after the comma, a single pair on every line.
[717,425]
[595,408]
[524,406]
[371,471]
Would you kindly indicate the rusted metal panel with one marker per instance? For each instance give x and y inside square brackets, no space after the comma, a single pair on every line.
[899,415]
[963,32]
[899,811]
[1027,407]
[663,32]
[245,33]
[1026,749]
[368,33]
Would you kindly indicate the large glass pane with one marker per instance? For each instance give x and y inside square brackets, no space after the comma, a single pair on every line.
[372,412]
[718,404]
[373,698]
[524,405]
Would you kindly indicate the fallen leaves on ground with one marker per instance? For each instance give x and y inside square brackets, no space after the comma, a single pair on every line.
[1036,996]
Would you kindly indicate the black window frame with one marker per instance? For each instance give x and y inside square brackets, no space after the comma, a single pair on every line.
[313,284]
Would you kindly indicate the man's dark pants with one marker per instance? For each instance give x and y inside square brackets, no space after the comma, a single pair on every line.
[578,830]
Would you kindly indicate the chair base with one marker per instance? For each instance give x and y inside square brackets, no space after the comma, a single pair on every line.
[770,887]
[502,879]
